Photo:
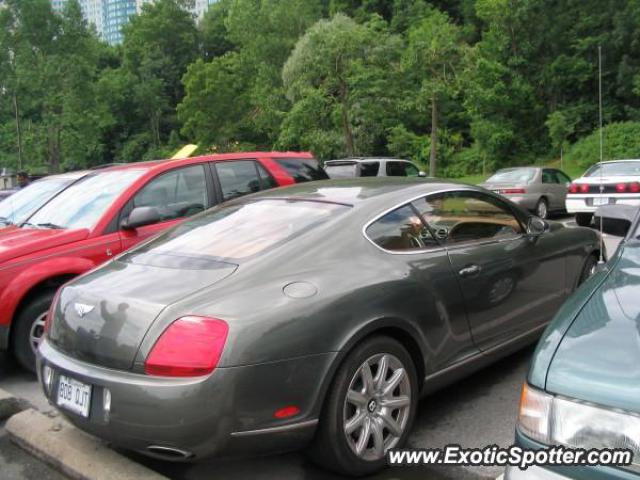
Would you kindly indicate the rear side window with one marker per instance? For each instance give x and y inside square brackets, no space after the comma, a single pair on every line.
[302,169]
[549,176]
[238,178]
[401,230]
[401,169]
[369,169]
[176,194]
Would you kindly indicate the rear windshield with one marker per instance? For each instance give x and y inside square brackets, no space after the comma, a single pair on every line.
[302,169]
[614,169]
[513,175]
[19,206]
[237,231]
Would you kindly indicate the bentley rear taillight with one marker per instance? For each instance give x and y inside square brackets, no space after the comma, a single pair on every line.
[189,347]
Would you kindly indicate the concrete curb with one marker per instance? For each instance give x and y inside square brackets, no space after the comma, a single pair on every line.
[10,405]
[74,453]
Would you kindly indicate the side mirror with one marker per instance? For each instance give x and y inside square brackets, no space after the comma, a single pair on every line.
[537,226]
[141,216]
[615,219]
[422,174]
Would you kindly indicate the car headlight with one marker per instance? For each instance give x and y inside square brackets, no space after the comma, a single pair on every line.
[557,420]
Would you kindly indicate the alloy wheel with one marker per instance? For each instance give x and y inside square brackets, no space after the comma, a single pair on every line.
[37,331]
[377,406]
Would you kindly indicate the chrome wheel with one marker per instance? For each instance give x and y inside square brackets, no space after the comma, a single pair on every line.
[37,331]
[377,406]
[541,209]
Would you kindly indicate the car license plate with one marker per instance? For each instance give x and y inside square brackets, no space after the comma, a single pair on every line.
[600,201]
[74,395]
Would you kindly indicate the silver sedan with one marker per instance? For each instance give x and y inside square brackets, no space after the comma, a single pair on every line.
[540,190]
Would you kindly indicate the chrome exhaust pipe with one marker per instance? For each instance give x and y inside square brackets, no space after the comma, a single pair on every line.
[169,453]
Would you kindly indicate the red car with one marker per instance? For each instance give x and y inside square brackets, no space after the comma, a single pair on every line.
[109,211]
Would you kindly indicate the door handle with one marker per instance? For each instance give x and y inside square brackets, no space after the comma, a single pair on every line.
[469,271]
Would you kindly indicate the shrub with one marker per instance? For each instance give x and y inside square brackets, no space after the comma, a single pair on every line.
[620,140]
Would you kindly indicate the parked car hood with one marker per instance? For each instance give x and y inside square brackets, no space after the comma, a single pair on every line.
[18,242]
[597,360]
[102,317]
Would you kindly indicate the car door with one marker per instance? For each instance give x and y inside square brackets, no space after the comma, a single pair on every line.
[511,283]
[554,189]
[177,194]
[421,277]
[564,181]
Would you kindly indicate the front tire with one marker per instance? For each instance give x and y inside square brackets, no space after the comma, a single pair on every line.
[584,219]
[370,408]
[30,328]
[589,269]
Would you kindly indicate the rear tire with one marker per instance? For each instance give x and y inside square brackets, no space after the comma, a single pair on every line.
[584,219]
[29,328]
[542,208]
[367,416]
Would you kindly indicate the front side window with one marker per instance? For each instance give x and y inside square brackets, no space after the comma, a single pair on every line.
[176,194]
[562,177]
[86,201]
[234,232]
[396,169]
[238,178]
[400,230]
[19,206]
[458,217]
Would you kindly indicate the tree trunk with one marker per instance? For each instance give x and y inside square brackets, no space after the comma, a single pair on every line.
[346,123]
[54,149]
[16,109]
[434,136]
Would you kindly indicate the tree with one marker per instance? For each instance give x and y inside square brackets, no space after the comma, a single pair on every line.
[432,56]
[339,78]
[560,128]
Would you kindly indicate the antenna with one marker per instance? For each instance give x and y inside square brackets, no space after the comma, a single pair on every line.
[601,259]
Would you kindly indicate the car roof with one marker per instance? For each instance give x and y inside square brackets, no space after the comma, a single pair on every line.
[621,160]
[364,159]
[360,191]
[75,175]
[169,163]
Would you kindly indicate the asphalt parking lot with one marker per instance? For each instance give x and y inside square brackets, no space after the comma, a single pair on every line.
[474,412]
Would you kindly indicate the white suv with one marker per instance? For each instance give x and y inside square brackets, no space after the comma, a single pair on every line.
[606,183]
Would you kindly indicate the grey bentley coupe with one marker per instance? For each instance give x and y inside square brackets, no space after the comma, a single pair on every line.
[308,316]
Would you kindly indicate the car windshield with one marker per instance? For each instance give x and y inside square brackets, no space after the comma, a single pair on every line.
[83,203]
[237,231]
[19,206]
[614,169]
[513,175]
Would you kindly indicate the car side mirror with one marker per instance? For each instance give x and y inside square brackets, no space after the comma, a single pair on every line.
[141,216]
[537,226]
[422,174]
[615,219]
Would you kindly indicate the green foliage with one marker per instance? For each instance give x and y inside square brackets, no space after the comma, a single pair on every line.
[474,84]
[621,140]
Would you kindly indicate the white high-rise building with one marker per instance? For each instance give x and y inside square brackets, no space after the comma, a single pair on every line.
[198,9]
[109,16]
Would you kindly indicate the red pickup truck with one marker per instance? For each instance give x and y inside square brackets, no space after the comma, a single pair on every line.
[109,211]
